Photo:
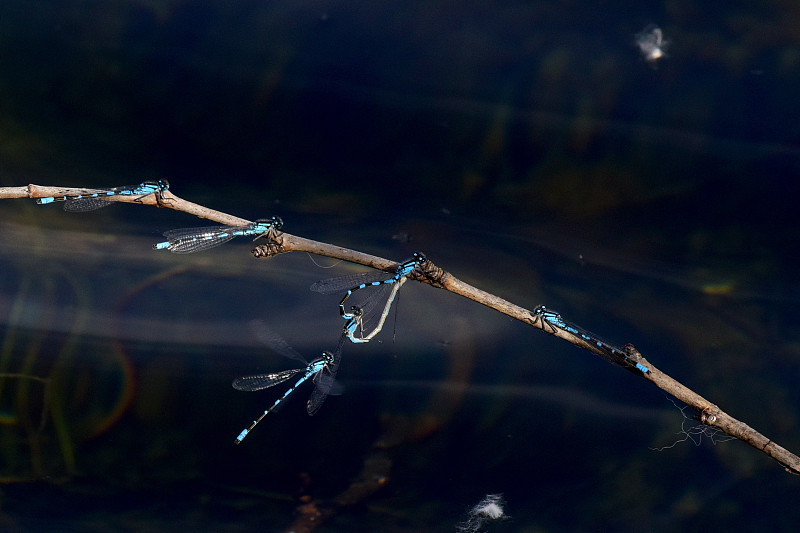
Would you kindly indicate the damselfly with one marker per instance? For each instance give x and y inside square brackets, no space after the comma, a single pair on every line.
[96,200]
[321,371]
[188,240]
[553,320]
[360,327]
[355,282]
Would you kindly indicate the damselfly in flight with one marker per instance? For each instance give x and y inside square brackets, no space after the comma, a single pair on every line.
[321,371]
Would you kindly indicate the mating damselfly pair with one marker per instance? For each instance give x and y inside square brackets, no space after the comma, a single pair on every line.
[365,318]
[382,287]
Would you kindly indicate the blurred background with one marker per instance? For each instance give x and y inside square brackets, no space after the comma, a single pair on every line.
[530,148]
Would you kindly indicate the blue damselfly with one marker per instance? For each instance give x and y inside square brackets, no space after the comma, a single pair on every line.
[96,200]
[189,240]
[551,320]
[321,371]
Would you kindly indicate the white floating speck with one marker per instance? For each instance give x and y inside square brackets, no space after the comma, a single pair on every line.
[651,44]
[488,509]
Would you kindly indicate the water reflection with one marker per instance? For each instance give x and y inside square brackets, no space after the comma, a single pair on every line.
[526,148]
[138,350]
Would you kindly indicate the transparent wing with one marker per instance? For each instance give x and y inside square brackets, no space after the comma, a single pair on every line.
[264,381]
[81,205]
[345,283]
[90,204]
[273,341]
[324,380]
[188,240]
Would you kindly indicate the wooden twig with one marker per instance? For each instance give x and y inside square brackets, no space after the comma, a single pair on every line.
[164,199]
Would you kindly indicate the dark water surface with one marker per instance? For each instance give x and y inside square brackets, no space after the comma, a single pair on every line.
[528,148]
